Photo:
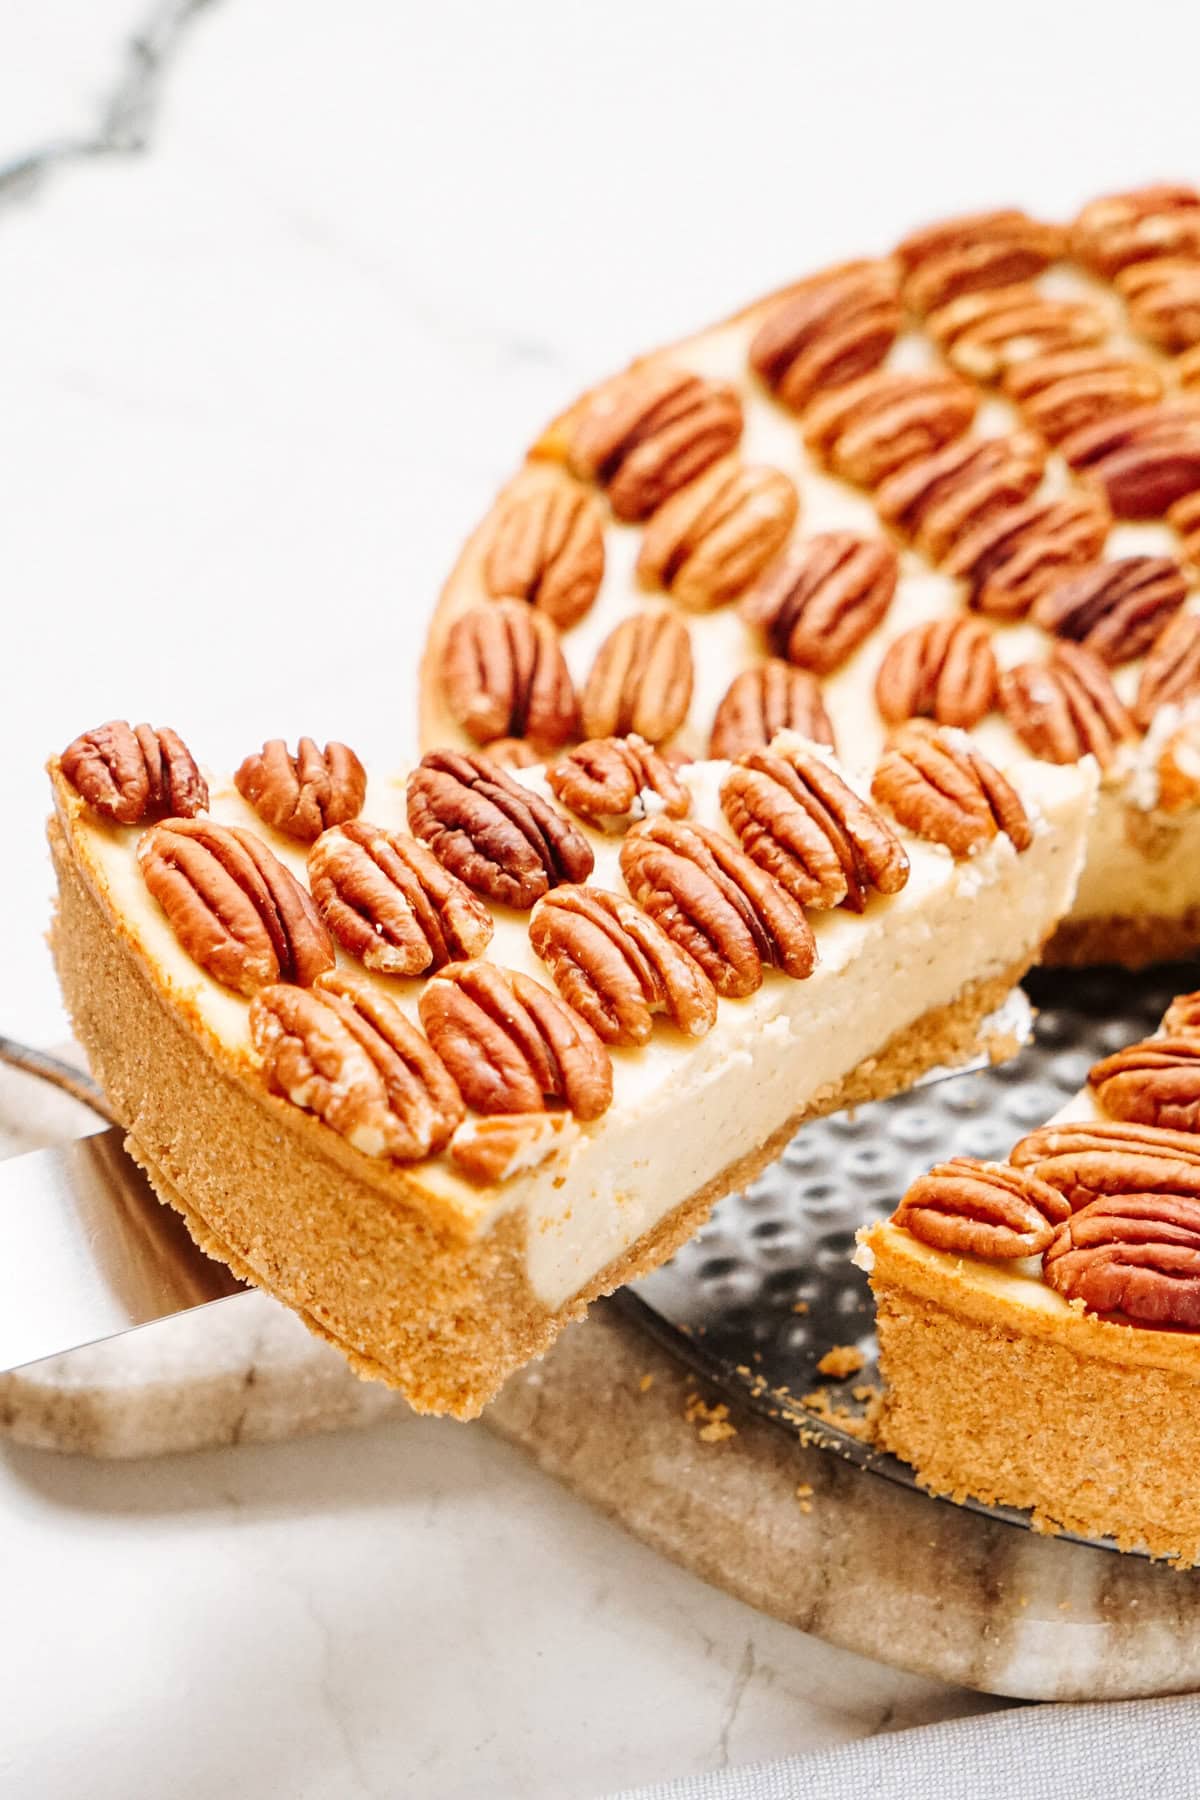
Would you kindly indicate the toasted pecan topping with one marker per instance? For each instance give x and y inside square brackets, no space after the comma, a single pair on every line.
[1090,1159]
[868,429]
[510,1043]
[1137,1256]
[641,680]
[987,331]
[512,753]
[547,547]
[708,541]
[818,603]
[766,699]
[1143,460]
[504,675]
[134,773]
[1119,229]
[1178,769]
[617,968]
[826,331]
[1186,369]
[507,1144]
[390,902]
[1163,297]
[970,1208]
[498,837]
[1156,1082]
[938,784]
[302,795]
[1066,707]
[1117,609]
[613,781]
[1184,515]
[943,670]
[938,499]
[1182,1016]
[1066,390]
[236,910]
[650,431]
[1171,672]
[978,250]
[1013,556]
[717,904]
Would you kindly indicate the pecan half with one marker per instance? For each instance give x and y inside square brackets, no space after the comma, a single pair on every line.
[1119,229]
[1163,297]
[234,908]
[826,331]
[508,1144]
[1171,672]
[641,680]
[869,428]
[987,331]
[707,543]
[818,603]
[510,1043]
[1186,370]
[504,675]
[1137,1255]
[302,795]
[1156,1082]
[1182,1016]
[1066,707]
[979,250]
[727,913]
[1090,1159]
[943,670]
[611,782]
[347,1053]
[1178,768]
[939,786]
[617,968]
[1184,515]
[1116,609]
[390,902]
[1014,556]
[773,696]
[649,432]
[937,499]
[1142,460]
[512,753]
[797,819]
[547,547]
[498,837]
[133,773]
[1064,391]
[970,1208]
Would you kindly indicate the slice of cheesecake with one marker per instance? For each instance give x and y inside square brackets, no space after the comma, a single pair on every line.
[438,1060]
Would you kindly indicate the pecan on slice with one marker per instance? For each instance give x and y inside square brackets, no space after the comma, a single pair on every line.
[302,795]
[641,680]
[1171,672]
[507,1144]
[512,753]
[1156,1082]
[1184,515]
[649,432]
[1142,460]
[1186,370]
[937,499]
[1178,769]
[1116,609]
[727,913]
[1181,1017]
[1063,391]
[498,837]
[1163,297]
[612,782]
[134,773]
[617,968]
[773,696]
[1090,1159]
[979,250]
[797,819]
[510,1043]
[1015,555]
[1119,229]
[970,1208]
[1137,1256]
[706,544]
[347,1053]
[818,603]
[826,331]
[388,901]
[872,426]
[547,547]
[938,785]
[236,910]
[1066,707]
[504,675]
[987,331]
[943,670]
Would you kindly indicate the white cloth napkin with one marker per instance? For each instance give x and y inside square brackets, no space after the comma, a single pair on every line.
[1122,1750]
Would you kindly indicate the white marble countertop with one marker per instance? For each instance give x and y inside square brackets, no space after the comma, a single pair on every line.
[256,381]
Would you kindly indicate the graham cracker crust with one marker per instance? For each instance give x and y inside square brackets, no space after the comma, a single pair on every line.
[1130,942]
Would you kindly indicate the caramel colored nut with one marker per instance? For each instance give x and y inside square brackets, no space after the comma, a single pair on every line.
[939,786]
[769,698]
[1184,515]
[936,500]
[506,1144]
[389,902]
[1186,370]
[1015,555]
[234,908]
[1182,1016]
[617,968]
[970,1208]
[651,431]
[1068,390]
[978,250]
[818,603]
[1178,768]
[1171,672]
[547,548]
[871,427]
[612,782]
[716,904]
[512,753]
[1090,1159]
[1137,1256]
[498,837]
[134,773]
[1066,708]
[1116,609]
[706,544]
[510,1043]
[943,670]
[987,331]
[1156,1082]
[1163,297]
[302,795]
[641,680]
[1119,229]
[826,331]
[504,675]
[1142,460]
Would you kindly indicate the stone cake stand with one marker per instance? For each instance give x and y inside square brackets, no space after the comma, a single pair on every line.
[794,1531]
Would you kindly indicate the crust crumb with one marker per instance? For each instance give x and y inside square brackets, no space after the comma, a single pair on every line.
[714,1421]
[842,1360]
